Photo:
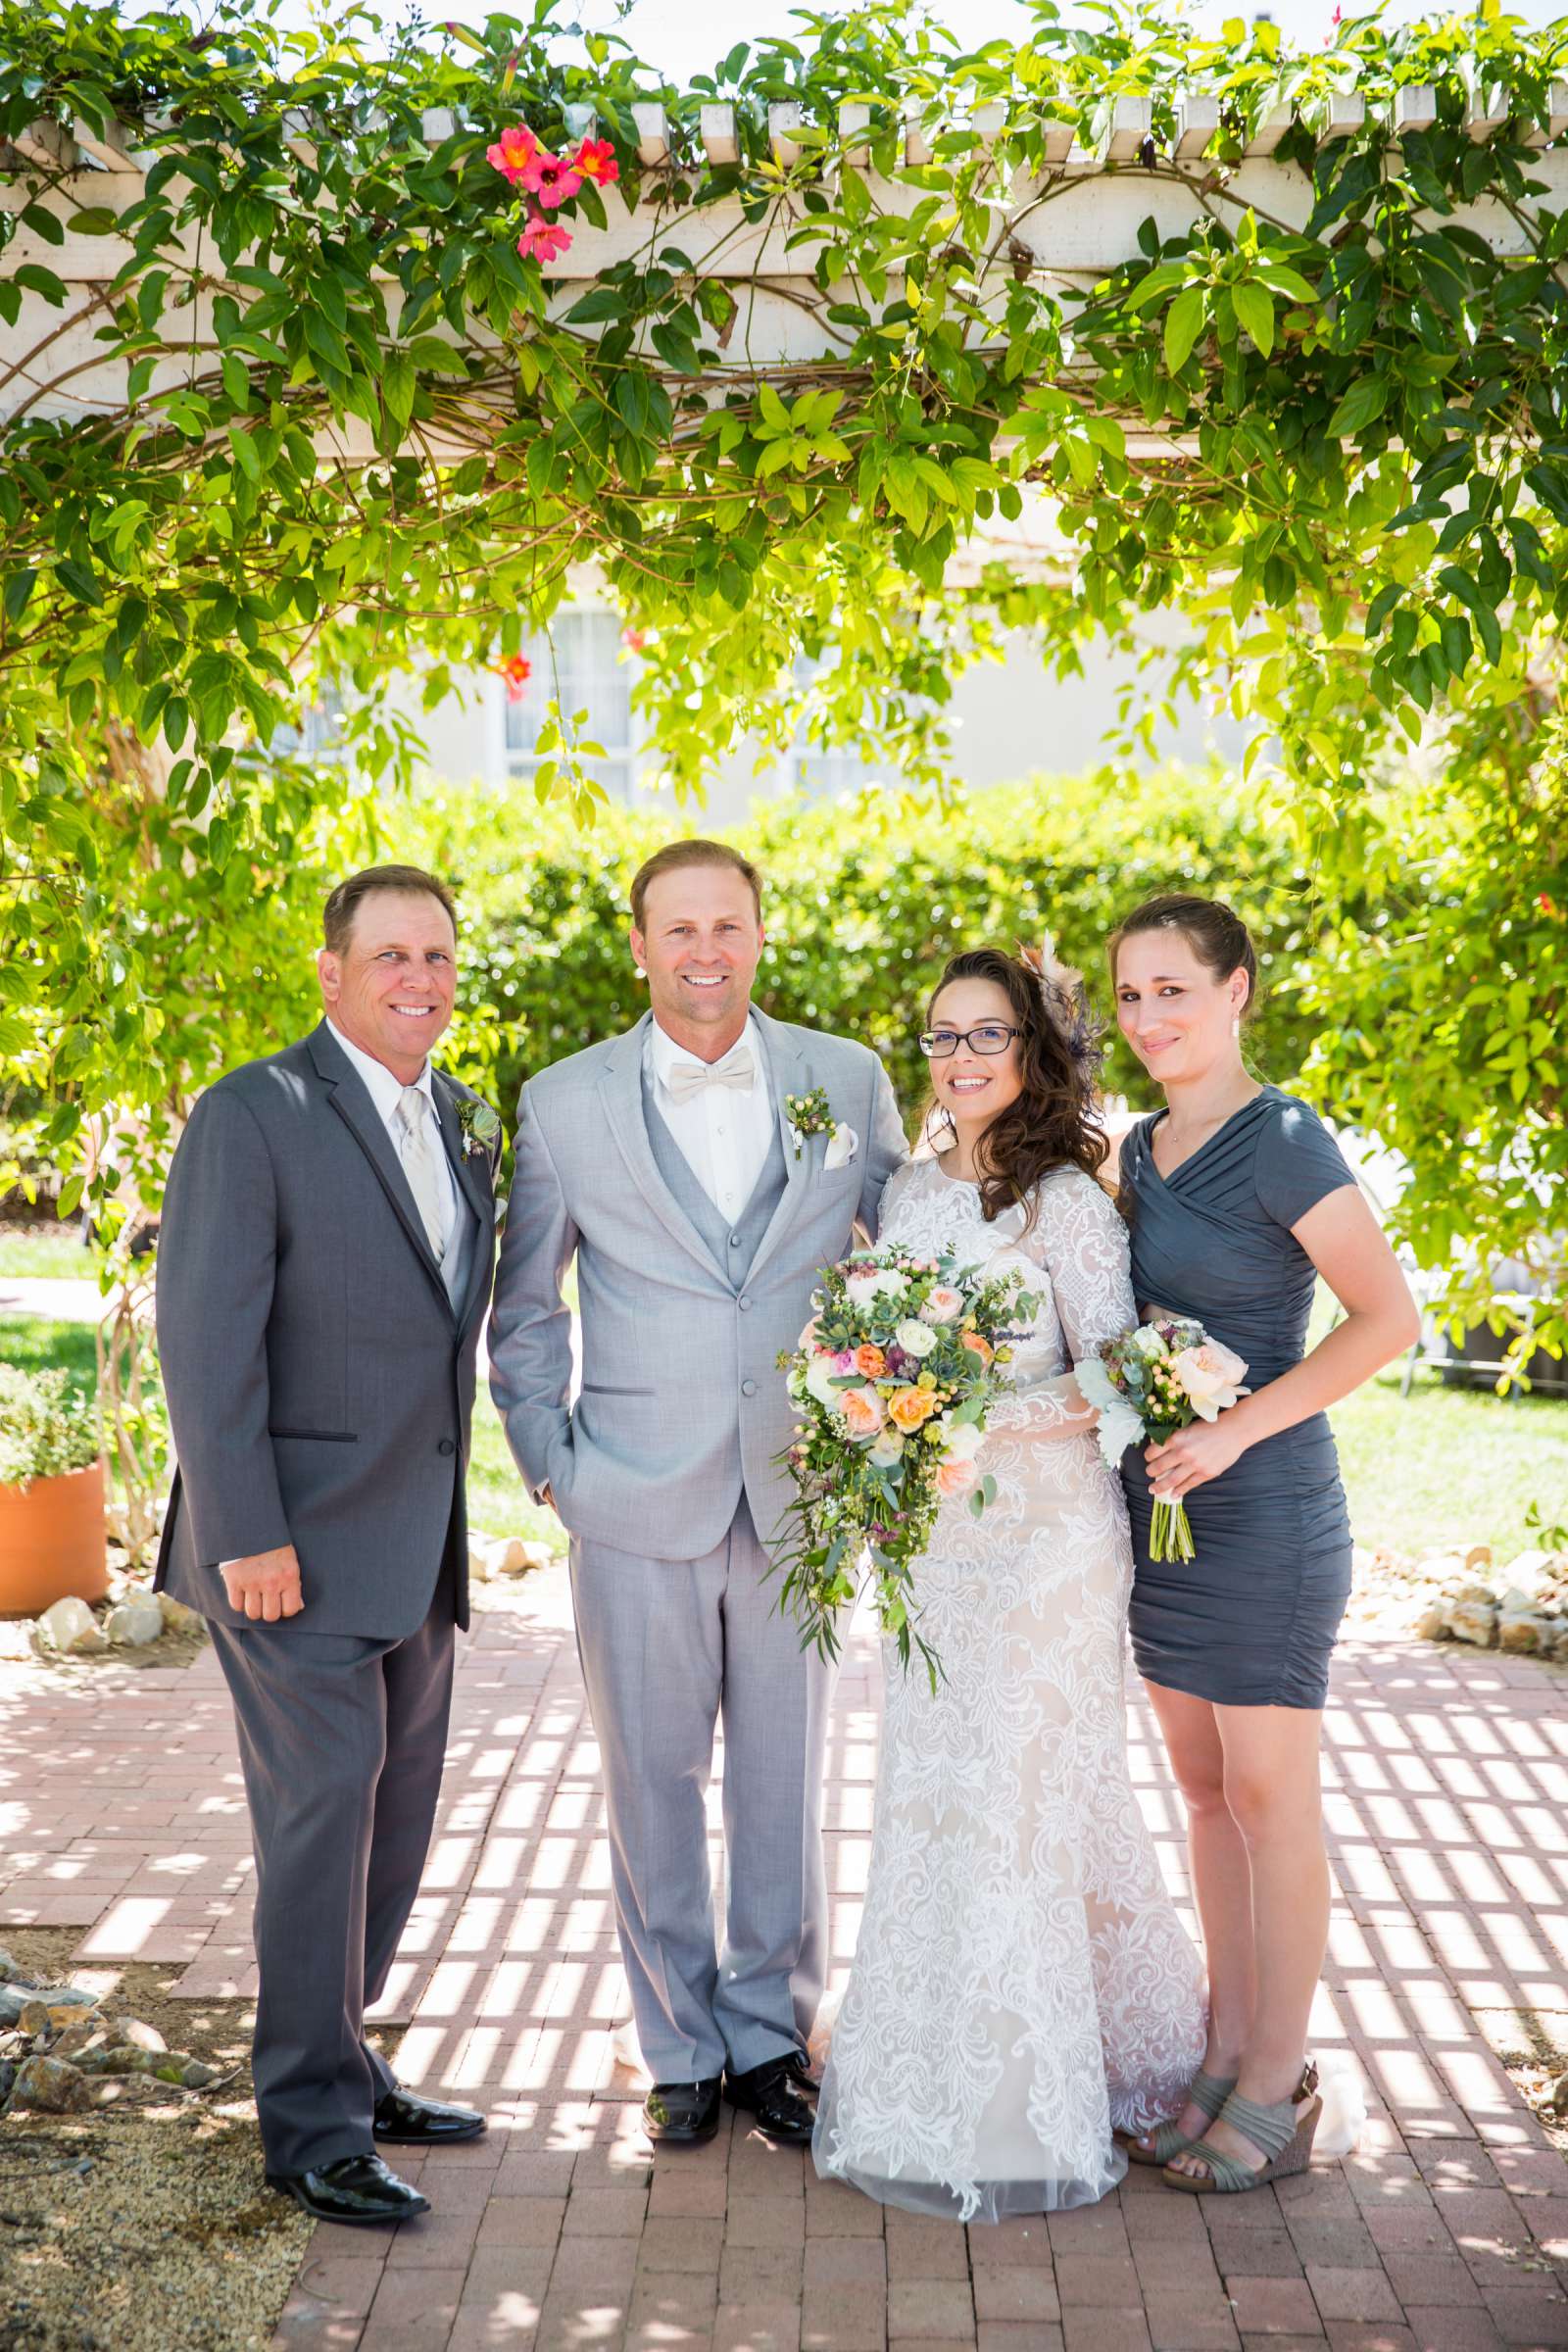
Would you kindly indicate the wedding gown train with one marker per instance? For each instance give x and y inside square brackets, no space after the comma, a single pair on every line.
[1022,1987]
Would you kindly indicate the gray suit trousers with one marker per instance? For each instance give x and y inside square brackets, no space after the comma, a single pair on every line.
[342,1738]
[668,1647]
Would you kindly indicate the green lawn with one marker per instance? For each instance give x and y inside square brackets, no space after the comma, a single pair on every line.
[1440,1467]
[50,1252]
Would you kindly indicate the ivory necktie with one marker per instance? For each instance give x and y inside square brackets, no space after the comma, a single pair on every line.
[688,1078]
[414,1110]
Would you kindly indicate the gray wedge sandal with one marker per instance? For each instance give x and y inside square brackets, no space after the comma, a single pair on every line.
[1283,2133]
[1206,2091]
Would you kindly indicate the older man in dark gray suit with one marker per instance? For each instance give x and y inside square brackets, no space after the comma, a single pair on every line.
[327,1246]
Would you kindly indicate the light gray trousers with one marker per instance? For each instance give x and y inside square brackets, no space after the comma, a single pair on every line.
[341,1740]
[668,1647]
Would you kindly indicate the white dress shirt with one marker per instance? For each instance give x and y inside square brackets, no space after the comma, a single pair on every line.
[386,1093]
[724,1133]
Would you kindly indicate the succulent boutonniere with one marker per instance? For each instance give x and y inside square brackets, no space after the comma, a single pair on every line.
[478,1125]
[810,1114]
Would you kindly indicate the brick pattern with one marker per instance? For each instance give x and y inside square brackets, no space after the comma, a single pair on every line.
[1445,2231]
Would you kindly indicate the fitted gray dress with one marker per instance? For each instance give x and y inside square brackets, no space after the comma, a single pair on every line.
[1250,1621]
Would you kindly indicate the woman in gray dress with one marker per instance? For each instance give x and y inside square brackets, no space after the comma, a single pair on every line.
[1239,1198]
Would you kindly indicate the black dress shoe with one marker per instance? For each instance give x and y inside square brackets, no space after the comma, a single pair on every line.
[353,2189]
[773,2096]
[406,2121]
[681,2114]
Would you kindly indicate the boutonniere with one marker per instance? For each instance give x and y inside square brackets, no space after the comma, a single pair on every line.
[813,1114]
[478,1125]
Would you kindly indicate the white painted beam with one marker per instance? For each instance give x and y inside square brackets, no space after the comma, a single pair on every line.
[916,144]
[1059,138]
[1196,121]
[1554,123]
[784,117]
[437,124]
[716,126]
[653,134]
[581,122]
[47,143]
[1131,121]
[1270,130]
[1415,108]
[855,117]
[109,148]
[1490,106]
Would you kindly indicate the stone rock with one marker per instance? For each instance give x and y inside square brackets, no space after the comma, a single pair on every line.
[51,2086]
[139,2036]
[178,1619]
[1522,1630]
[16,1998]
[8,2076]
[1477,1558]
[10,1968]
[1531,1573]
[506,1555]
[1477,1593]
[195,2075]
[1558,2096]
[69,1628]
[534,1555]
[1433,1623]
[1560,1649]
[1474,1620]
[136,1621]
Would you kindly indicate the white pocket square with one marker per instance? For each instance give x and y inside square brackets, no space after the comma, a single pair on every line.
[842,1145]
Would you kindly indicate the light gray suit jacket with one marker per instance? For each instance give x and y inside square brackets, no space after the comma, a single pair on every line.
[682,1400]
[320,1376]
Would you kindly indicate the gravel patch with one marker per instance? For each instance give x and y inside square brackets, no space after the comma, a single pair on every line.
[145,2225]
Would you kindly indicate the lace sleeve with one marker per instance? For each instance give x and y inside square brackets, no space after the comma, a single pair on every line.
[1079,1243]
[896,1185]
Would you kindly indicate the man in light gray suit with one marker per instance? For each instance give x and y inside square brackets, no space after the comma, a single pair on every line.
[699,1204]
[327,1246]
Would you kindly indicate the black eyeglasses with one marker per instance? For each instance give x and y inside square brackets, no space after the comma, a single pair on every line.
[938,1045]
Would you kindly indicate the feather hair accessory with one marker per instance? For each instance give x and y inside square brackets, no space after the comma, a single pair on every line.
[1061,991]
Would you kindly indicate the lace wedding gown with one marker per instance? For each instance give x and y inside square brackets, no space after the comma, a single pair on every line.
[1022,1985]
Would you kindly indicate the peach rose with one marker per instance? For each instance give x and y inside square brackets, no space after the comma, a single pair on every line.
[910,1409]
[863,1411]
[942,1304]
[1210,1375]
[870,1362]
[977,1344]
[955,1476]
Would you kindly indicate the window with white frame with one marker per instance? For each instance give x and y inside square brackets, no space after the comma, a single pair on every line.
[590,671]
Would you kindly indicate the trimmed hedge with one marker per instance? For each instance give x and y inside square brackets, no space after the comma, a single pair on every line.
[865,901]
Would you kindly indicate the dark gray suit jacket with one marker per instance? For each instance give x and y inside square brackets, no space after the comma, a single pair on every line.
[320,1380]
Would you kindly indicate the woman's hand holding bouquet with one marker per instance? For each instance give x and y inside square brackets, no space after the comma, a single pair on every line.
[1155,1379]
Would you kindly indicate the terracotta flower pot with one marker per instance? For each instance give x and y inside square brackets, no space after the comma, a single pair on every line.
[52,1541]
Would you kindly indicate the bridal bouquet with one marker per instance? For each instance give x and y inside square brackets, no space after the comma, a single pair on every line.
[1159,1378]
[892,1380]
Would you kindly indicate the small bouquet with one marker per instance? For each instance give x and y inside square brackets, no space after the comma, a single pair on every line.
[892,1380]
[1155,1379]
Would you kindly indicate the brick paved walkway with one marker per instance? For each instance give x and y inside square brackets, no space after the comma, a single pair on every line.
[1448,2231]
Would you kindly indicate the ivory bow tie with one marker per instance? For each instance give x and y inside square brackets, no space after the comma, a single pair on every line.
[688,1078]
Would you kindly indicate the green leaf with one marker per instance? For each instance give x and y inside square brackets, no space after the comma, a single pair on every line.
[1364,401]
[18,587]
[1184,323]
[1254,307]
[81,580]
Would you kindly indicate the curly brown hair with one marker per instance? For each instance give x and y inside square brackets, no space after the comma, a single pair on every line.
[1055,1121]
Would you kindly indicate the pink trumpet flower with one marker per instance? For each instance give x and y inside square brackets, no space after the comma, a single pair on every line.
[551,178]
[595,159]
[513,151]
[543,240]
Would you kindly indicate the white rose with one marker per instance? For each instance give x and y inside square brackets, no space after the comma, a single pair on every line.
[889,1282]
[1147,1342]
[820,1379]
[963,1440]
[862,1289]
[914,1337]
[888,1447]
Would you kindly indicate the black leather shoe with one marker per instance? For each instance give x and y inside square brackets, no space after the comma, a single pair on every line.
[353,2189]
[803,2068]
[681,2114]
[406,2121]
[776,2099]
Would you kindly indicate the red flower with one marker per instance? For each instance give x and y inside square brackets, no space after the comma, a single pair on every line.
[516,671]
[551,178]
[1546,905]
[543,240]
[633,640]
[595,159]
[513,151]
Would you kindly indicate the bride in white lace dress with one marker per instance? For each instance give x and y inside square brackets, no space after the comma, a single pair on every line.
[1022,1988]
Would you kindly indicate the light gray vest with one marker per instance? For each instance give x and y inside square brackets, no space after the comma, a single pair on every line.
[733,1246]
[457,1267]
